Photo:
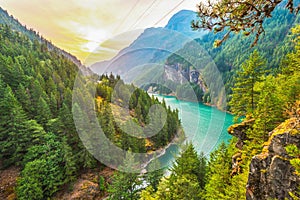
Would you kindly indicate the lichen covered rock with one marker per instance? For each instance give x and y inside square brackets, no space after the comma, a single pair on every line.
[239,131]
[271,175]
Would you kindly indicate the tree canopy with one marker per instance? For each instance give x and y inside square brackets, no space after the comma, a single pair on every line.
[245,16]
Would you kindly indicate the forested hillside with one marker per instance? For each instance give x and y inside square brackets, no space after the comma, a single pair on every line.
[48,144]
[259,162]
[14,24]
[262,159]
[36,121]
[37,132]
[275,43]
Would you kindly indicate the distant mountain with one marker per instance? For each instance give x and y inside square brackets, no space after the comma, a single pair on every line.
[181,22]
[273,45]
[14,24]
[142,62]
[153,46]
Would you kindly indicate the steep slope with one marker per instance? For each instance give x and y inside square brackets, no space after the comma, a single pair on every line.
[152,46]
[273,46]
[144,60]
[36,82]
[271,174]
[14,24]
[35,88]
[38,113]
[181,22]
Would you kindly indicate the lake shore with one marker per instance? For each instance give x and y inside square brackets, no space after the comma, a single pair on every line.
[188,100]
[177,140]
[207,131]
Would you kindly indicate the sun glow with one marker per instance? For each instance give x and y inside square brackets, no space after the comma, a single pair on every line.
[83,27]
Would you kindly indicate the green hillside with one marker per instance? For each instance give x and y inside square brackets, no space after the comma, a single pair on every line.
[37,131]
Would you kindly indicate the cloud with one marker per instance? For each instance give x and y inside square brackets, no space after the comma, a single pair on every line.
[81,26]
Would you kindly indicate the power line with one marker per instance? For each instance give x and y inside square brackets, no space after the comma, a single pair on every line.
[169,12]
[142,15]
[149,12]
[127,15]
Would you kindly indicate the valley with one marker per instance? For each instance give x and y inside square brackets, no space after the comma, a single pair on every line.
[180,113]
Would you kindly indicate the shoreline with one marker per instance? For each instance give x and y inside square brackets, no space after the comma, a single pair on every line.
[160,152]
[188,100]
[179,138]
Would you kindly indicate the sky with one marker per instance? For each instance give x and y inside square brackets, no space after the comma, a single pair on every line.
[94,30]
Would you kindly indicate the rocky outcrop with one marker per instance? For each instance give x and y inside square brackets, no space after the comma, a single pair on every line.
[239,131]
[271,175]
[236,160]
[180,75]
[176,74]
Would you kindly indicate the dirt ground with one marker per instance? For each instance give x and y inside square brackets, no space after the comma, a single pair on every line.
[8,179]
[86,186]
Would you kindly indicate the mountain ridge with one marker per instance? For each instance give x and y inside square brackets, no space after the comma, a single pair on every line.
[152,46]
[16,25]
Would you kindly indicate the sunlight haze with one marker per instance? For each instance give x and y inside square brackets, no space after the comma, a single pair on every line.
[80,27]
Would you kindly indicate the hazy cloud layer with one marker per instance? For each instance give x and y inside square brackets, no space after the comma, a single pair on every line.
[81,26]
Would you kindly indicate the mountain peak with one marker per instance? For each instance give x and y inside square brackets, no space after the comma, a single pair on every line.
[181,21]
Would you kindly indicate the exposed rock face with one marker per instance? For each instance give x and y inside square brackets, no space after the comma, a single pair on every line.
[236,164]
[194,76]
[176,74]
[271,174]
[239,131]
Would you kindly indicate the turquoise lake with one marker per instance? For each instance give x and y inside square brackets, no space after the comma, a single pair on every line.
[204,126]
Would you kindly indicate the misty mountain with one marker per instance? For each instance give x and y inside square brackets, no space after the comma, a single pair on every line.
[151,48]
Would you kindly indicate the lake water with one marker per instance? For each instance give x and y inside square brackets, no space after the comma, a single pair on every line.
[204,126]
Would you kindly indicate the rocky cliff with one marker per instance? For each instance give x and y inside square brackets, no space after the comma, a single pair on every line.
[239,131]
[271,175]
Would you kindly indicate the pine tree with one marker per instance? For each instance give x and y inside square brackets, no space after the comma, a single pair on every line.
[50,86]
[13,127]
[67,127]
[23,97]
[187,179]
[2,87]
[218,175]
[155,174]
[189,163]
[185,187]
[45,171]
[34,134]
[36,92]
[186,175]
[53,105]
[291,63]
[290,74]
[84,138]
[43,113]
[29,188]
[70,163]
[125,183]
[269,111]
[244,97]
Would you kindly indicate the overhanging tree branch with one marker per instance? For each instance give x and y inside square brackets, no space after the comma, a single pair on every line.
[245,16]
